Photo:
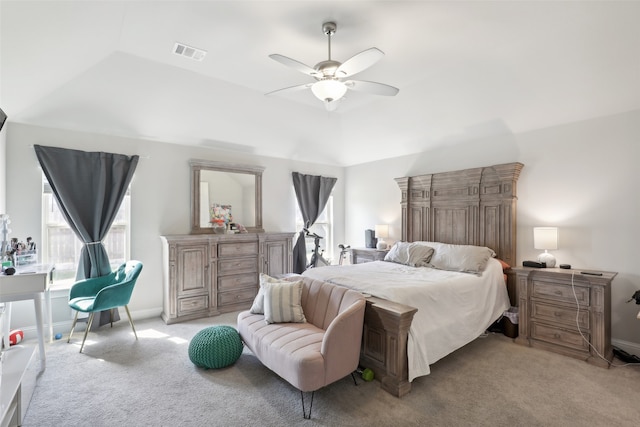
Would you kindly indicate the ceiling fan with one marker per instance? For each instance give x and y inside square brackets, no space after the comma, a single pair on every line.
[329,86]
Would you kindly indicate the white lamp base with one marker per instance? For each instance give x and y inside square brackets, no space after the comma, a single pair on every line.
[382,245]
[548,259]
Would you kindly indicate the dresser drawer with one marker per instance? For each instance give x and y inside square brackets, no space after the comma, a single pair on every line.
[236,266]
[229,283]
[559,336]
[561,315]
[237,249]
[559,292]
[192,304]
[243,295]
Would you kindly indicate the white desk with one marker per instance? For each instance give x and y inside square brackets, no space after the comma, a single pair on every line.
[29,282]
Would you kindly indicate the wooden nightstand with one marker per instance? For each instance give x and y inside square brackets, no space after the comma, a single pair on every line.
[548,309]
[360,255]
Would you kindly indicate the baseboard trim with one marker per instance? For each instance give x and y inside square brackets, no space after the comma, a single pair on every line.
[629,347]
[63,327]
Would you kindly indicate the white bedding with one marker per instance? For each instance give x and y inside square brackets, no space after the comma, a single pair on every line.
[453,308]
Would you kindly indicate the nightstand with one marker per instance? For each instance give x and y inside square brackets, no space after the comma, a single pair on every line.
[548,310]
[361,255]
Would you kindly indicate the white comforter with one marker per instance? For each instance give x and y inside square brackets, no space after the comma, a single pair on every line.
[453,308]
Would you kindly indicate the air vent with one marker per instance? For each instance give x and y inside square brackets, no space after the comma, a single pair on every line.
[189,52]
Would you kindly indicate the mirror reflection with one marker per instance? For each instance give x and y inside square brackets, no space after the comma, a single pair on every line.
[225,197]
[228,197]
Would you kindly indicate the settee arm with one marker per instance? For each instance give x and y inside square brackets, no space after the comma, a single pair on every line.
[342,340]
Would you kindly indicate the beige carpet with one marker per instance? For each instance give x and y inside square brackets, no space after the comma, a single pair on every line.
[151,382]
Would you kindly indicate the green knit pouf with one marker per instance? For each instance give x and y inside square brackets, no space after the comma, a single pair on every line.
[215,347]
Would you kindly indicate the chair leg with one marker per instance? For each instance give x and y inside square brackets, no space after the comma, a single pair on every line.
[111,317]
[304,412]
[87,330]
[354,378]
[131,321]
[75,320]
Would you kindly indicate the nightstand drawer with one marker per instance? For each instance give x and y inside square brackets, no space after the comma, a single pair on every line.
[560,292]
[559,336]
[560,315]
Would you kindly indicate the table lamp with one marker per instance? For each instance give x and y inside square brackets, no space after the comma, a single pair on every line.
[382,231]
[546,238]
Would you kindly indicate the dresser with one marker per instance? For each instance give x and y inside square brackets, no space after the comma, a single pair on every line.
[208,274]
[361,255]
[551,319]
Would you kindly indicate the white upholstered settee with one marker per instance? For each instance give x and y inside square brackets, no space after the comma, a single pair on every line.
[311,354]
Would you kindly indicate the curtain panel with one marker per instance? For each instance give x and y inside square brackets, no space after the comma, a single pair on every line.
[312,193]
[89,188]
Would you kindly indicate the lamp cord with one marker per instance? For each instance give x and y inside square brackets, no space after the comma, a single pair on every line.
[573,289]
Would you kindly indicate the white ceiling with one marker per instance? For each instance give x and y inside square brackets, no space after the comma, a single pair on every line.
[464,69]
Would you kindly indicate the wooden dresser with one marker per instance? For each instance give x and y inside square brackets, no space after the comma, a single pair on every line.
[550,318]
[208,274]
[361,255]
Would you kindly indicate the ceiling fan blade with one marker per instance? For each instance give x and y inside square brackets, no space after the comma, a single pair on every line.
[359,62]
[292,63]
[372,87]
[291,88]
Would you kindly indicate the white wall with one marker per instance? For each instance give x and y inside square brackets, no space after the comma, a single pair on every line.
[581,177]
[160,195]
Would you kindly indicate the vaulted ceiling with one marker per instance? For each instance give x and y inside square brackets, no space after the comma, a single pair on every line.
[464,69]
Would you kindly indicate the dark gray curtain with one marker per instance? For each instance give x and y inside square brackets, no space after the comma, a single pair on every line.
[312,192]
[89,188]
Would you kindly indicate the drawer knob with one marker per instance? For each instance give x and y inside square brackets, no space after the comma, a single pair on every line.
[557,314]
[558,292]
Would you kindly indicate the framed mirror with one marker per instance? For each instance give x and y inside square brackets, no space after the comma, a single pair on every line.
[225,196]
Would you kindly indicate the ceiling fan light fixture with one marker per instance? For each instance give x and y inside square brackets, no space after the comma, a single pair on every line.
[329,90]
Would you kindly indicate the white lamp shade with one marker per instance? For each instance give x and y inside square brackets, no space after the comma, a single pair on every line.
[382,230]
[328,90]
[545,238]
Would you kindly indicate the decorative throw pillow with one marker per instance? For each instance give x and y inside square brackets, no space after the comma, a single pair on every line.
[411,254]
[464,258]
[258,302]
[282,302]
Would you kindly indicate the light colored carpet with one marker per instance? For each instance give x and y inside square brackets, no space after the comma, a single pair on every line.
[151,382]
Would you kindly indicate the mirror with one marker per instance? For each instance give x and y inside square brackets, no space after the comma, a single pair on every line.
[223,194]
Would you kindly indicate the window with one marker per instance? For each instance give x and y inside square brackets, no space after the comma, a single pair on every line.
[322,227]
[61,247]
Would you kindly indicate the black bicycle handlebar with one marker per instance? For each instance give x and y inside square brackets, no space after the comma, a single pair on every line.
[308,233]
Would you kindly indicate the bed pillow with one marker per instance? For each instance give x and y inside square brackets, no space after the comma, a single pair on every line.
[282,302]
[464,258]
[504,265]
[411,254]
[258,303]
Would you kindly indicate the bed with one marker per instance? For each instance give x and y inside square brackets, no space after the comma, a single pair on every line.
[405,331]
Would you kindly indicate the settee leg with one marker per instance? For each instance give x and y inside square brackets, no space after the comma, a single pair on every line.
[304,411]
[354,378]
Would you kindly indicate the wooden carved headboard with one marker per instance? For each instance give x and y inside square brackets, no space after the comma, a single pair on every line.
[467,207]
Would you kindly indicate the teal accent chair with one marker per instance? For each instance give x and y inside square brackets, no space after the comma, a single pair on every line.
[104,293]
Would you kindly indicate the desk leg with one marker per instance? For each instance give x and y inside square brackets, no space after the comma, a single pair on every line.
[37,302]
[6,325]
[47,301]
